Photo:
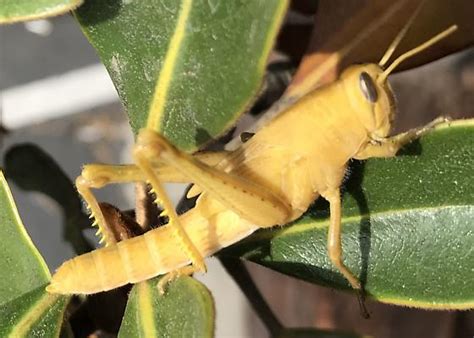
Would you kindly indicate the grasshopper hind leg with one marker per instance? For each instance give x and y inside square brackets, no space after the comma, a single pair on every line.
[83,185]
[250,201]
[145,152]
[173,275]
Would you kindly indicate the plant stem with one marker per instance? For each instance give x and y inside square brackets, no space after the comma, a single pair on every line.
[240,274]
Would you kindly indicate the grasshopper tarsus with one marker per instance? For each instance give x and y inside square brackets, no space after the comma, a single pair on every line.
[362,304]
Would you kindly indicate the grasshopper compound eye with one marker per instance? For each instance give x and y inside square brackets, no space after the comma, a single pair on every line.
[368,87]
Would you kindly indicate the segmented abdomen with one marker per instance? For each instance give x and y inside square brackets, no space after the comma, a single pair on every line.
[154,253]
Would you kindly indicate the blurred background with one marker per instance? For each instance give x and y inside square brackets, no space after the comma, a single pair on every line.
[55,93]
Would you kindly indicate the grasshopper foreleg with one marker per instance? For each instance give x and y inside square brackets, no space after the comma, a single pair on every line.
[388,147]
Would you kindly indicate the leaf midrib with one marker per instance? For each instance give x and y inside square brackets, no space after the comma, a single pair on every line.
[299,228]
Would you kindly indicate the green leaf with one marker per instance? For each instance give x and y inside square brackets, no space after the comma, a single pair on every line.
[34,314]
[26,310]
[203,59]
[23,10]
[30,168]
[186,310]
[22,267]
[408,228]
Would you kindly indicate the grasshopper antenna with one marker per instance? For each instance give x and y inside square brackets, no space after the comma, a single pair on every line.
[415,51]
[400,36]
[393,46]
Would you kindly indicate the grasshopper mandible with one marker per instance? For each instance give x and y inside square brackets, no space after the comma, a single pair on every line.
[270,180]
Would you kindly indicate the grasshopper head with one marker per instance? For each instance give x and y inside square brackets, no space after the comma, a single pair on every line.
[372,100]
[369,93]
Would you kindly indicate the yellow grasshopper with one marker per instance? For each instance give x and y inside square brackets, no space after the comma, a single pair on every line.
[270,180]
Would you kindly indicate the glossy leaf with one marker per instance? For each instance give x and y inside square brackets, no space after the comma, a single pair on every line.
[408,228]
[23,269]
[25,307]
[34,314]
[32,169]
[186,68]
[186,310]
[23,10]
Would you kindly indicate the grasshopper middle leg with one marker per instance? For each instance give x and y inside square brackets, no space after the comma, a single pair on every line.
[334,237]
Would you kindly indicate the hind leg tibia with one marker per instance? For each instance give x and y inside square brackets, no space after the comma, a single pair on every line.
[145,154]
[99,175]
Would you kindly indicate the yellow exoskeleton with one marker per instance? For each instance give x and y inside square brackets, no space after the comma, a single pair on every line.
[270,180]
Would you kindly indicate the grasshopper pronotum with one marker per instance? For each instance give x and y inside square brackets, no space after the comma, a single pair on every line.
[270,180]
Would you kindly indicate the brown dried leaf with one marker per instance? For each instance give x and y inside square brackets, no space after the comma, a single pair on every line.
[355,31]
